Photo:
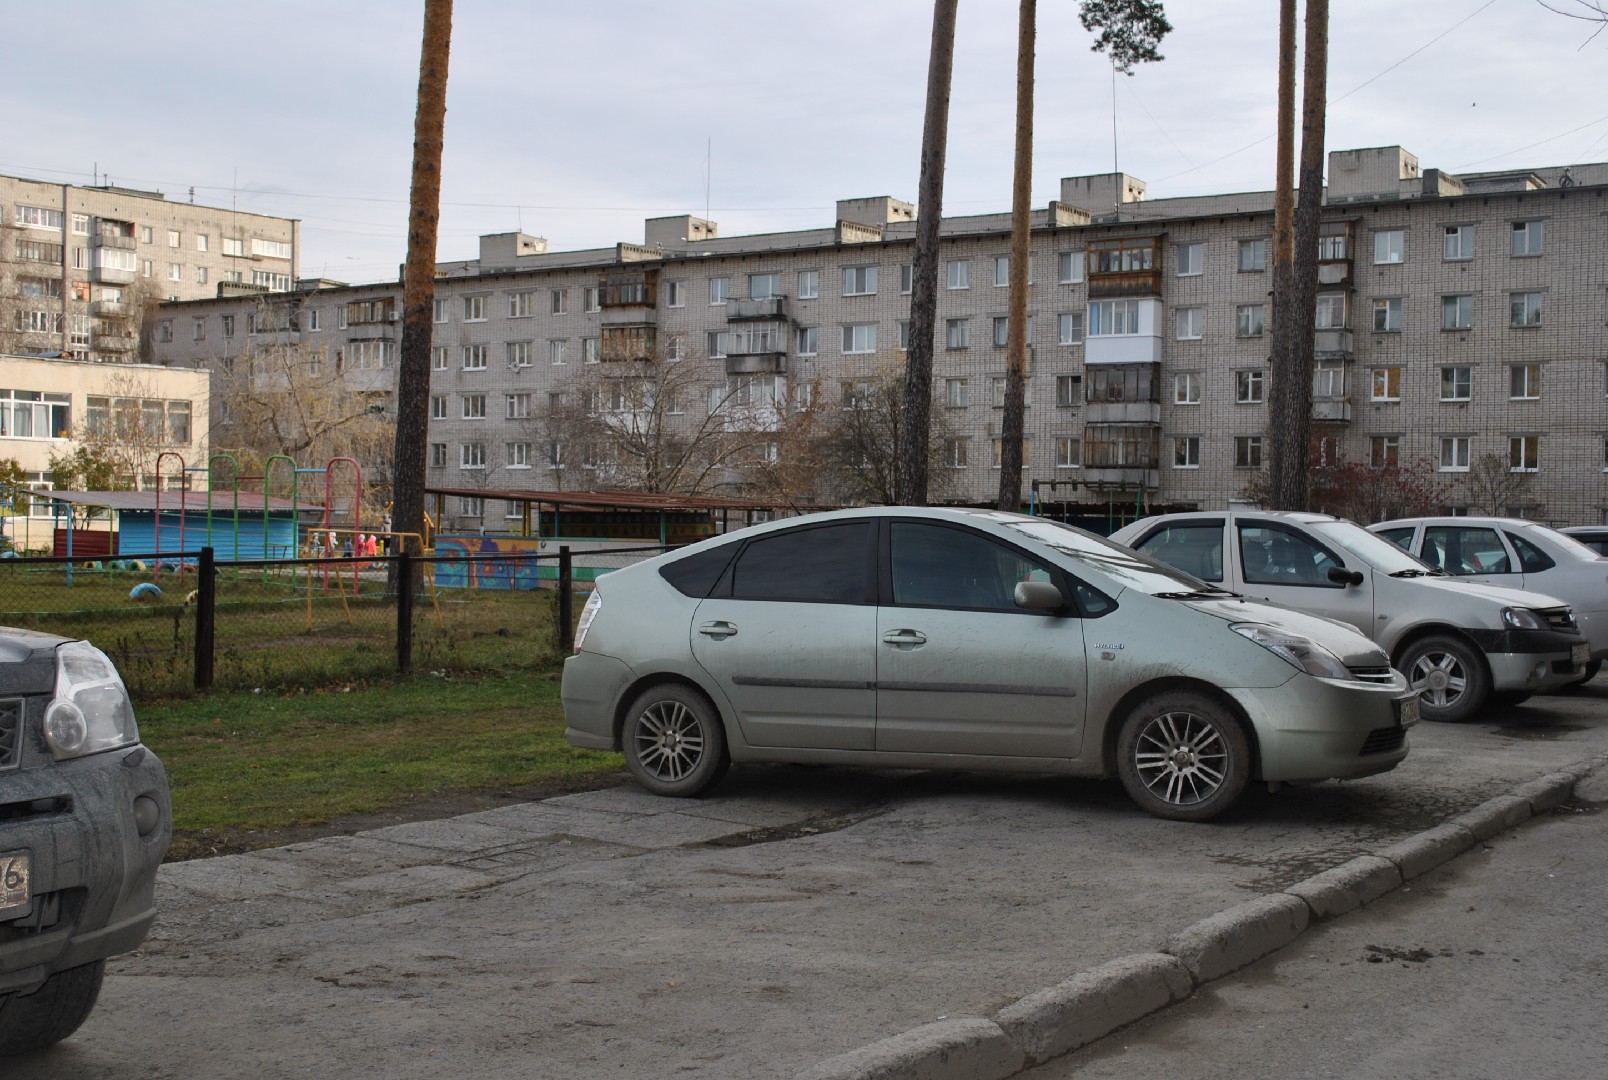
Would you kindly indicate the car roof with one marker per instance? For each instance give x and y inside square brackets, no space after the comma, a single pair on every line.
[1304,517]
[1450,519]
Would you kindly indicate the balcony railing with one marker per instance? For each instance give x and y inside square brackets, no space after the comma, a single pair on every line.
[1333,342]
[112,240]
[766,307]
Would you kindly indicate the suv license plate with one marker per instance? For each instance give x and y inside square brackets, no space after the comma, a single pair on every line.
[1579,654]
[14,883]
[1409,711]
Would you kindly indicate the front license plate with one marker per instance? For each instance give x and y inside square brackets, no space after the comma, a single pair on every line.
[14,883]
[1579,654]
[1409,711]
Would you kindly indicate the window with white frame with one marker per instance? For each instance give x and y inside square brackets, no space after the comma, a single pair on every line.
[1390,246]
[1191,258]
[200,275]
[1524,382]
[675,294]
[272,249]
[474,309]
[1068,452]
[907,278]
[1068,391]
[1248,386]
[175,271]
[1384,451]
[1186,452]
[1387,314]
[438,455]
[173,238]
[718,342]
[1250,319]
[1252,256]
[81,224]
[1069,328]
[1457,243]
[558,350]
[1456,382]
[956,393]
[1069,266]
[1191,323]
[764,286]
[999,452]
[472,455]
[591,299]
[1248,452]
[1386,384]
[1328,379]
[1457,312]
[1528,237]
[1524,453]
[558,301]
[719,289]
[521,305]
[957,273]
[809,340]
[957,451]
[438,358]
[38,217]
[996,389]
[474,357]
[1186,388]
[234,245]
[517,455]
[1002,330]
[474,406]
[518,406]
[859,338]
[440,310]
[1331,311]
[555,454]
[438,407]
[518,355]
[1454,453]
[590,347]
[809,284]
[859,281]
[1111,318]
[1524,309]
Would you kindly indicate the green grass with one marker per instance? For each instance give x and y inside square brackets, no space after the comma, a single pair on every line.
[244,766]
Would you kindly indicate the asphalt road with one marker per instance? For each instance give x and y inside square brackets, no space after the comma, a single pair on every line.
[795,915]
[1493,967]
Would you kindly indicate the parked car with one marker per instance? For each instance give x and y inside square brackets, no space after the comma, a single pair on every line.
[1519,554]
[1594,537]
[1458,642]
[84,823]
[945,638]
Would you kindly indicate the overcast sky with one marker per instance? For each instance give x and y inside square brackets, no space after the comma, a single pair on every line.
[575,121]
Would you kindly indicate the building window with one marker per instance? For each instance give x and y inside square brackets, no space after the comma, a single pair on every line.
[764,286]
[228,325]
[957,274]
[1386,384]
[1069,328]
[1454,453]
[438,407]
[201,241]
[1457,243]
[518,406]
[591,299]
[996,390]
[1186,388]
[1524,308]
[719,289]
[1249,319]
[904,334]
[1002,330]
[999,451]
[1248,386]
[165,330]
[1387,315]
[1328,379]
[438,358]
[1331,311]
[956,452]
[808,340]
[519,307]
[675,294]
[859,281]
[589,350]
[1456,383]
[1248,452]
[474,406]
[1390,246]
[957,395]
[1384,451]
[1111,318]
[472,456]
[173,238]
[474,358]
[1068,391]
[1069,267]
[234,246]
[1186,452]
[438,455]
[1333,241]
[557,350]
[1527,237]
[1524,453]
[474,309]
[860,338]
[1191,259]
[1191,322]
[175,271]
[1524,382]
[1457,312]
[558,301]
[200,275]
[200,329]
[1068,452]
[809,284]
[1252,256]
[517,455]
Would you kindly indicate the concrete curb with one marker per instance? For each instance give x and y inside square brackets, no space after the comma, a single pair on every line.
[1092,1004]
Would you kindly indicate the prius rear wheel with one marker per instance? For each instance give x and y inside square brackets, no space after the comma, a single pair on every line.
[673,741]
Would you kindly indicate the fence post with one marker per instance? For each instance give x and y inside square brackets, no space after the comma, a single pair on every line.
[404,612]
[566,601]
[206,611]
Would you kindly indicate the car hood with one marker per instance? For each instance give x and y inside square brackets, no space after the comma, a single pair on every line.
[1521,598]
[1340,638]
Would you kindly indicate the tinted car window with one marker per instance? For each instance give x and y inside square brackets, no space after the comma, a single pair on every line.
[1531,558]
[1194,549]
[1275,557]
[824,565]
[935,566]
[1463,550]
[696,574]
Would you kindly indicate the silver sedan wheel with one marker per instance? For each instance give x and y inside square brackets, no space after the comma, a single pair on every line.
[673,741]
[1182,755]
[1440,678]
[1448,675]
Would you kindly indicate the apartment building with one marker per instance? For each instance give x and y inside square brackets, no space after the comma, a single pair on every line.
[79,266]
[1458,317]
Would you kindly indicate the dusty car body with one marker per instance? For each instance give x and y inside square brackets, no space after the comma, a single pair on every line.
[1459,643]
[954,639]
[84,823]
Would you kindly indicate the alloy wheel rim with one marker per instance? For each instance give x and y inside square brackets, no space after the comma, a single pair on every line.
[1439,677]
[669,740]
[1182,759]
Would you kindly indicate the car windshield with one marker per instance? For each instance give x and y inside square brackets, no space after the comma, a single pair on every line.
[1121,565]
[1376,551]
[1563,543]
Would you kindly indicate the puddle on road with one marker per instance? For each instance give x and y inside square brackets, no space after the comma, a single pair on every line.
[1540,732]
[827,823]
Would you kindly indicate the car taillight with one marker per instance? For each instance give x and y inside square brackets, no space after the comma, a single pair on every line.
[594,604]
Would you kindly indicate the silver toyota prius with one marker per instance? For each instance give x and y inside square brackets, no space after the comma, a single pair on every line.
[925,638]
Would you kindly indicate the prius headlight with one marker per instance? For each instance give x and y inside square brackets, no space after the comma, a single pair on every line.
[91,711]
[1297,650]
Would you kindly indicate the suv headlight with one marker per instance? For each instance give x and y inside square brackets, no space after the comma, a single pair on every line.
[1523,619]
[91,711]
[1298,651]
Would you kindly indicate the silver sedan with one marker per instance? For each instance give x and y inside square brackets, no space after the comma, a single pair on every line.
[943,639]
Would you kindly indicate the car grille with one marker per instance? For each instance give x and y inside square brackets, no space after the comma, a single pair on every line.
[1559,618]
[1383,740]
[1382,675]
[11,714]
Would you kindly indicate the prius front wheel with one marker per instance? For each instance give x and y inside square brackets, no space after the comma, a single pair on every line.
[1183,756]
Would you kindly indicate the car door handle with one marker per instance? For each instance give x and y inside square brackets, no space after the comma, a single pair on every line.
[718,630]
[905,637]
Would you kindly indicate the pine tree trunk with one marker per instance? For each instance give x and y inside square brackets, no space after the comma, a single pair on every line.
[1308,210]
[1288,426]
[1010,433]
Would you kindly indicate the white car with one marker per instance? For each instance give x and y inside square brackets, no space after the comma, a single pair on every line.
[1459,643]
[1519,554]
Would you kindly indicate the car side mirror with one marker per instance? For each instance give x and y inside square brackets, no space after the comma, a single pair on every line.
[1038,596]
[1341,576]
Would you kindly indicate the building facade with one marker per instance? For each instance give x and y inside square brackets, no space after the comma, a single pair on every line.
[1460,319]
[79,266]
